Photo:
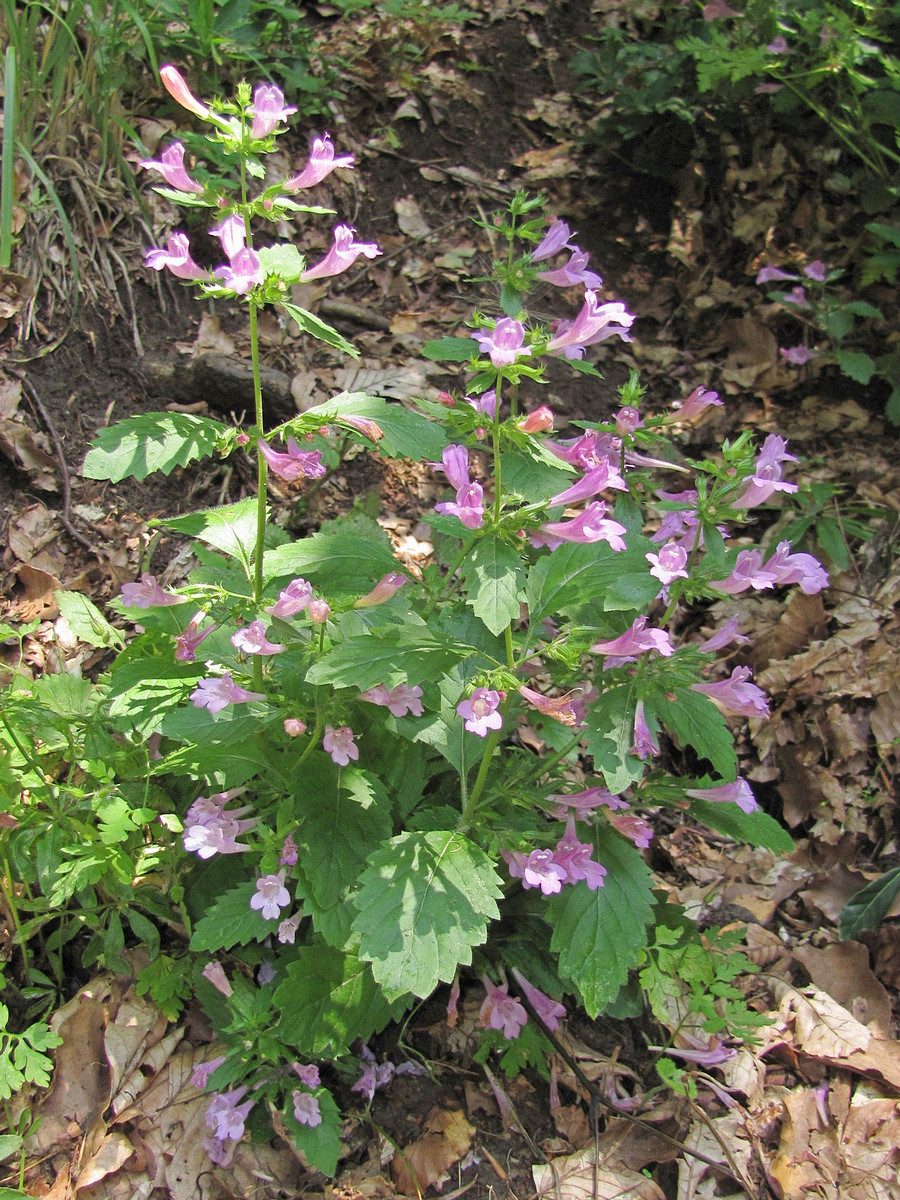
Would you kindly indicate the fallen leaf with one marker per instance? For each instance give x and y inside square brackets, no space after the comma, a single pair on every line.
[573,1178]
[821,1027]
[842,970]
[410,219]
[422,1163]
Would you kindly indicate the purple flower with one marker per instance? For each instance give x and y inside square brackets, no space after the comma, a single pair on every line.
[295,464]
[252,640]
[537,869]
[696,402]
[268,109]
[480,711]
[201,1073]
[171,167]
[584,803]
[321,162]
[340,745]
[468,506]
[373,1075]
[778,45]
[218,692]
[627,420]
[209,829]
[215,973]
[796,296]
[636,640]
[644,743]
[383,590]
[738,793]
[189,639]
[288,856]
[816,270]
[589,526]
[575,858]
[364,425]
[271,896]
[736,695]
[590,450]
[769,274]
[400,700]
[768,89]
[177,257]
[486,404]
[596,479]
[594,323]
[504,343]
[550,1011]
[287,930]
[797,356]
[294,727]
[308,1073]
[724,637]
[501,1011]
[293,599]
[668,564]
[148,594]
[558,707]
[455,465]
[306,1108]
[342,255]
[174,83]
[706,1054]
[803,569]
[575,272]
[766,478]
[225,1117]
[242,273]
[748,572]
[632,827]
[232,233]
[555,239]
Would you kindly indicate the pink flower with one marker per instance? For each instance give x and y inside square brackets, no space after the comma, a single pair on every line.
[636,640]
[292,600]
[175,85]
[288,856]
[504,343]
[215,973]
[594,323]
[400,700]
[209,829]
[778,45]
[252,640]
[287,929]
[768,89]
[148,594]
[550,1011]
[486,404]
[201,1073]
[736,695]
[592,449]
[816,270]
[295,464]
[584,803]
[724,637]
[306,1108]
[340,745]
[294,727]
[668,564]
[696,402]
[627,420]
[589,526]
[644,743]
[539,421]
[177,257]
[803,569]
[321,162]
[468,506]
[575,272]
[796,296]
[232,233]
[383,590]
[171,167]
[575,858]
[455,465]
[748,572]
[555,239]
[501,1011]
[308,1073]
[319,611]
[738,793]
[706,1054]
[342,255]
[770,274]
[268,109]
[596,479]
[242,273]
[537,869]
[271,896]
[632,827]
[558,707]
[480,711]
[217,693]
[766,478]
[189,639]
[797,356]
[226,1117]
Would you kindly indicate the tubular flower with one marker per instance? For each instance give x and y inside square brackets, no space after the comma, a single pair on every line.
[171,167]
[189,639]
[175,85]
[589,526]
[383,590]
[644,743]
[319,611]
[538,869]
[292,600]
[555,239]
[400,700]
[802,569]
[575,272]
[252,640]
[766,477]
[591,450]
[632,827]
[215,973]
[797,356]
[340,745]
[148,594]
[748,572]
[595,480]
[177,257]
[468,506]
[550,1011]
[225,1117]
[539,421]
[243,272]
[480,711]
[295,464]
[594,323]
[699,400]
[268,109]
[218,692]
[306,1108]
[455,465]
[736,695]
[342,255]
[232,233]
[575,858]
[584,803]
[770,274]
[271,896]
[724,637]
[669,564]
[504,343]
[558,707]
[739,793]
[636,640]
[321,162]
[364,425]
[501,1011]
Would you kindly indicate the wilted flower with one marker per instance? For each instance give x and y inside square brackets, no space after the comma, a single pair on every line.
[171,167]
[177,88]
[294,727]
[308,1073]
[558,707]
[480,711]
[550,1011]
[340,745]
[342,255]
[321,162]
[271,896]
[288,856]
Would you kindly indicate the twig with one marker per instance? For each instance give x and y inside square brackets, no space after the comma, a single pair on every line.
[42,413]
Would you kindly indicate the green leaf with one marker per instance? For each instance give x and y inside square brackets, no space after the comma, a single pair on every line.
[867,908]
[391,655]
[145,690]
[319,1144]
[283,260]
[140,445]
[317,328]
[862,308]
[231,528]
[838,324]
[335,562]
[859,367]
[831,538]
[450,349]
[86,620]
[576,573]
[695,721]
[425,901]
[757,828]
[888,233]
[230,921]
[407,434]
[611,724]
[494,575]
[599,935]
[328,1000]
[10,1144]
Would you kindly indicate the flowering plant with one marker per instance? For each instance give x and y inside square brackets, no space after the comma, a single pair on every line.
[374,775]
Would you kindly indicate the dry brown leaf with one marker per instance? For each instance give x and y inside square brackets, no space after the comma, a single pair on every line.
[693,1173]
[822,1028]
[211,338]
[842,970]
[571,1123]
[807,1161]
[410,219]
[80,1088]
[573,1178]
[421,1164]
[885,721]
[115,1152]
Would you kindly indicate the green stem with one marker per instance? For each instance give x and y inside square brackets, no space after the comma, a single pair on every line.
[471,803]
[547,764]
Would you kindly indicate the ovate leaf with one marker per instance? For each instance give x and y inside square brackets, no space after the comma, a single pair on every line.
[757,828]
[230,921]
[86,620]
[450,349]
[866,908]
[695,721]
[138,446]
[231,528]
[394,654]
[317,328]
[425,901]
[494,577]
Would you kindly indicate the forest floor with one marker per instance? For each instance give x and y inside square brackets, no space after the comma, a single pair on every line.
[813,1107]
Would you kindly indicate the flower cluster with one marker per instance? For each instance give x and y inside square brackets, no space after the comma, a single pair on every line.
[211,828]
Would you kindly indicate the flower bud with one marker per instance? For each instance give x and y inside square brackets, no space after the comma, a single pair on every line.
[319,611]
[294,727]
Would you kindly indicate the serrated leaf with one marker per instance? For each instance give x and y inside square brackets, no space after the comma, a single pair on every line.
[494,575]
[424,902]
[450,349]
[610,737]
[757,828]
[319,1144]
[396,654]
[319,329]
[867,908]
[407,434]
[143,691]
[328,1000]
[576,573]
[86,620]
[859,367]
[695,721]
[140,445]
[231,528]
[230,921]
[333,561]
[599,935]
